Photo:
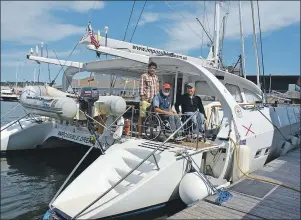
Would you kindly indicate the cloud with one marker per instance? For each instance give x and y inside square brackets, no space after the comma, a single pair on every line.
[31,22]
[149,17]
[273,15]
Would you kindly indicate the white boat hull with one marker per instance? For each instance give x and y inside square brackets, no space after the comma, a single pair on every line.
[35,135]
[119,160]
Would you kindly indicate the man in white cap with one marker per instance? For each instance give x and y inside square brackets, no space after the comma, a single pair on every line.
[190,103]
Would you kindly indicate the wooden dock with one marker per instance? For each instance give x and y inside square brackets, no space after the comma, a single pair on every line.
[253,199]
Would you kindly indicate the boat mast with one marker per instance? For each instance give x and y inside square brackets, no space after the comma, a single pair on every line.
[223,38]
[17,72]
[242,42]
[216,29]
[255,45]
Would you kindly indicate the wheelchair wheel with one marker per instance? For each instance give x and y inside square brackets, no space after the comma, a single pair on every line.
[152,127]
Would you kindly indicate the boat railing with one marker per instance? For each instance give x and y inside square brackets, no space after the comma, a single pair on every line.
[137,166]
[16,121]
[82,159]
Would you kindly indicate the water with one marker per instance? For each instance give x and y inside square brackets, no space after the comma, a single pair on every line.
[30,179]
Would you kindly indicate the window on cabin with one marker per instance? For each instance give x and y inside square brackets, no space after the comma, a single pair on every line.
[235,92]
[251,97]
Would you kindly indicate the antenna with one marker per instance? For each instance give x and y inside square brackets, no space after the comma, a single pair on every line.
[37,50]
[106,31]
[42,44]
[98,36]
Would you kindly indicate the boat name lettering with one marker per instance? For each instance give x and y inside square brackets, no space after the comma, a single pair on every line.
[46,103]
[74,137]
[159,52]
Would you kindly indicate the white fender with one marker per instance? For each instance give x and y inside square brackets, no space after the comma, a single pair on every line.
[192,188]
[110,105]
[244,162]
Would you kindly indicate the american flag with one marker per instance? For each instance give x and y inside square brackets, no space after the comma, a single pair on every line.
[93,39]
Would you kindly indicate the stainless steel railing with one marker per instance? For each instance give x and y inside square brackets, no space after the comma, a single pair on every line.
[82,159]
[135,168]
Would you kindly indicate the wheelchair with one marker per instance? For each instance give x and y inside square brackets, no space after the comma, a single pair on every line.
[156,124]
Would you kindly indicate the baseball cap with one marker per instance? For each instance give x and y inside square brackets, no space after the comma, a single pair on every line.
[190,85]
[166,86]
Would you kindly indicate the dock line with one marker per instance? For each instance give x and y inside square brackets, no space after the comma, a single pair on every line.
[257,178]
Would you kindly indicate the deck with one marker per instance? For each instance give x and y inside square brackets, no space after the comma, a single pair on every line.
[253,199]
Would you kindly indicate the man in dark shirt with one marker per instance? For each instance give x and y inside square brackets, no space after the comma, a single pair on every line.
[191,103]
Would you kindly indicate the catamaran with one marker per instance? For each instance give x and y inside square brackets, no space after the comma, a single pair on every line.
[135,174]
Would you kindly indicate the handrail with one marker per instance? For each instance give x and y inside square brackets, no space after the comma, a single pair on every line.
[107,128]
[17,121]
[77,165]
[129,173]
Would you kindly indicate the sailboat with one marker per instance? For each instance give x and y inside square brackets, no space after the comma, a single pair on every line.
[136,174]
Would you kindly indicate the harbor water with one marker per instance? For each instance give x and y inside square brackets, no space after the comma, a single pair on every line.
[30,179]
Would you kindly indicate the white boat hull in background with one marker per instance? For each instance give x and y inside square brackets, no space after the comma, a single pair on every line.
[34,135]
[23,135]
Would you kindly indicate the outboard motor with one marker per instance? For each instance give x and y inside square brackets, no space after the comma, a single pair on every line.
[88,95]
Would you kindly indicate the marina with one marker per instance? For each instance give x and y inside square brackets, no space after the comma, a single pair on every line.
[254,199]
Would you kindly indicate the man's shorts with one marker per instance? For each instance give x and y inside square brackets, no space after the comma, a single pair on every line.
[144,107]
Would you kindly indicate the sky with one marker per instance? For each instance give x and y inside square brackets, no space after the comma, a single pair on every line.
[170,25]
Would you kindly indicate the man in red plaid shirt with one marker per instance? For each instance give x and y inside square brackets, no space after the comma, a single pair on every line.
[148,88]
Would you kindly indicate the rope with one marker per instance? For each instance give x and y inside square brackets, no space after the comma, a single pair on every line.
[257,178]
[138,20]
[129,20]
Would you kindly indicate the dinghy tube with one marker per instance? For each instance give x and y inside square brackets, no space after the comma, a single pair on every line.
[36,100]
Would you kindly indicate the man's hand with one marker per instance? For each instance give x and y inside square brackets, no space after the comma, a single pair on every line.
[169,113]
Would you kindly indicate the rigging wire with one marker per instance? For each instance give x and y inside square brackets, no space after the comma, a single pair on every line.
[138,21]
[203,31]
[183,20]
[89,125]
[90,16]
[62,66]
[129,20]
[206,15]
[261,50]
[48,66]
[114,78]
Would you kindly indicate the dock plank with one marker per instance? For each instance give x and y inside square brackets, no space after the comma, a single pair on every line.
[278,203]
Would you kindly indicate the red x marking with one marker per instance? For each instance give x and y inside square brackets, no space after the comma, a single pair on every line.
[249,129]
